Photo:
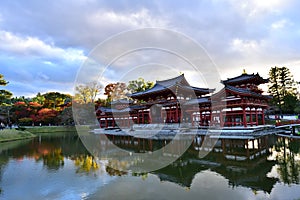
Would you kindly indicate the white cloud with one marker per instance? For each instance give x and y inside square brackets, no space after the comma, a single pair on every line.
[141,18]
[254,8]
[32,46]
[245,46]
[280,24]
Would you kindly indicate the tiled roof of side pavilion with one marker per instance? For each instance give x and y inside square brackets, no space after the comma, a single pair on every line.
[121,101]
[243,91]
[245,78]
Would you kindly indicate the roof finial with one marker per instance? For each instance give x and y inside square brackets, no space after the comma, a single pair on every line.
[244,71]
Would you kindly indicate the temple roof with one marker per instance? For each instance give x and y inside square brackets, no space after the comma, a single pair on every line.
[121,101]
[113,110]
[245,78]
[243,91]
[239,91]
[179,79]
[170,85]
[198,101]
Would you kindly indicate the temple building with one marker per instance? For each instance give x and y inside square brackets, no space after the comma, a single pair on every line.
[239,103]
[244,103]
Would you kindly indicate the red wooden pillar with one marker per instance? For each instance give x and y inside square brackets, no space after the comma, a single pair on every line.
[176,114]
[149,117]
[251,117]
[167,115]
[234,120]
[263,117]
[138,117]
[201,118]
[256,116]
[244,117]
[113,122]
[221,118]
[106,124]
[143,119]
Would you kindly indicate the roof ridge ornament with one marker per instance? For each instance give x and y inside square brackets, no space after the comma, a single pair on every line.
[244,71]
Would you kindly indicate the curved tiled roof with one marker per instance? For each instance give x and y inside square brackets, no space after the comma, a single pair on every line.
[245,78]
[197,101]
[113,110]
[179,79]
[169,85]
[121,101]
[244,91]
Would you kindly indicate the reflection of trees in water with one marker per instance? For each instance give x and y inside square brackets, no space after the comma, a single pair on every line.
[250,172]
[54,159]
[3,162]
[143,175]
[85,163]
[116,168]
[288,165]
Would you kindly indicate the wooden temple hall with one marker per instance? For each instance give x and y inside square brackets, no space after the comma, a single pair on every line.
[239,103]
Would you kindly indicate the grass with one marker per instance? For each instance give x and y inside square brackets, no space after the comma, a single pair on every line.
[50,129]
[7,135]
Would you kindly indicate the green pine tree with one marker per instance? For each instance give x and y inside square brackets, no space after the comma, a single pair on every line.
[283,89]
[5,95]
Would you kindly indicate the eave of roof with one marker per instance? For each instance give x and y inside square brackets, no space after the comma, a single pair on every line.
[198,101]
[245,78]
[243,91]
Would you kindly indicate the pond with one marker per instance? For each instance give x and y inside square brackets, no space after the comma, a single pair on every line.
[60,167]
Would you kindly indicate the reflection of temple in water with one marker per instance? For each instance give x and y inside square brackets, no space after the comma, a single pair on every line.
[242,161]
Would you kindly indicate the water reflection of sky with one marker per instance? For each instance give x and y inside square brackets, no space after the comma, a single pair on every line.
[28,179]
[206,185]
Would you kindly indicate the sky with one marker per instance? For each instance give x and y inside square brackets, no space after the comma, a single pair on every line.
[45,44]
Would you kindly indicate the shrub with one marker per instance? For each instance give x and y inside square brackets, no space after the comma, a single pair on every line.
[25,121]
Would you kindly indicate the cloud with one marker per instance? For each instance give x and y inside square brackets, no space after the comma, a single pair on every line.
[47,43]
[244,45]
[257,8]
[31,46]
[280,24]
[140,18]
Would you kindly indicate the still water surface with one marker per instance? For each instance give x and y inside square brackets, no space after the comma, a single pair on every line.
[59,167]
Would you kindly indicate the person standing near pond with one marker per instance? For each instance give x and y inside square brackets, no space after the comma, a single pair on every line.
[2,126]
[10,125]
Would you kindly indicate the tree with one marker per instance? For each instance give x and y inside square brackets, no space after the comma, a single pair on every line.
[139,85]
[87,93]
[290,103]
[115,91]
[39,98]
[4,94]
[66,116]
[22,112]
[54,99]
[47,116]
[282,87]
